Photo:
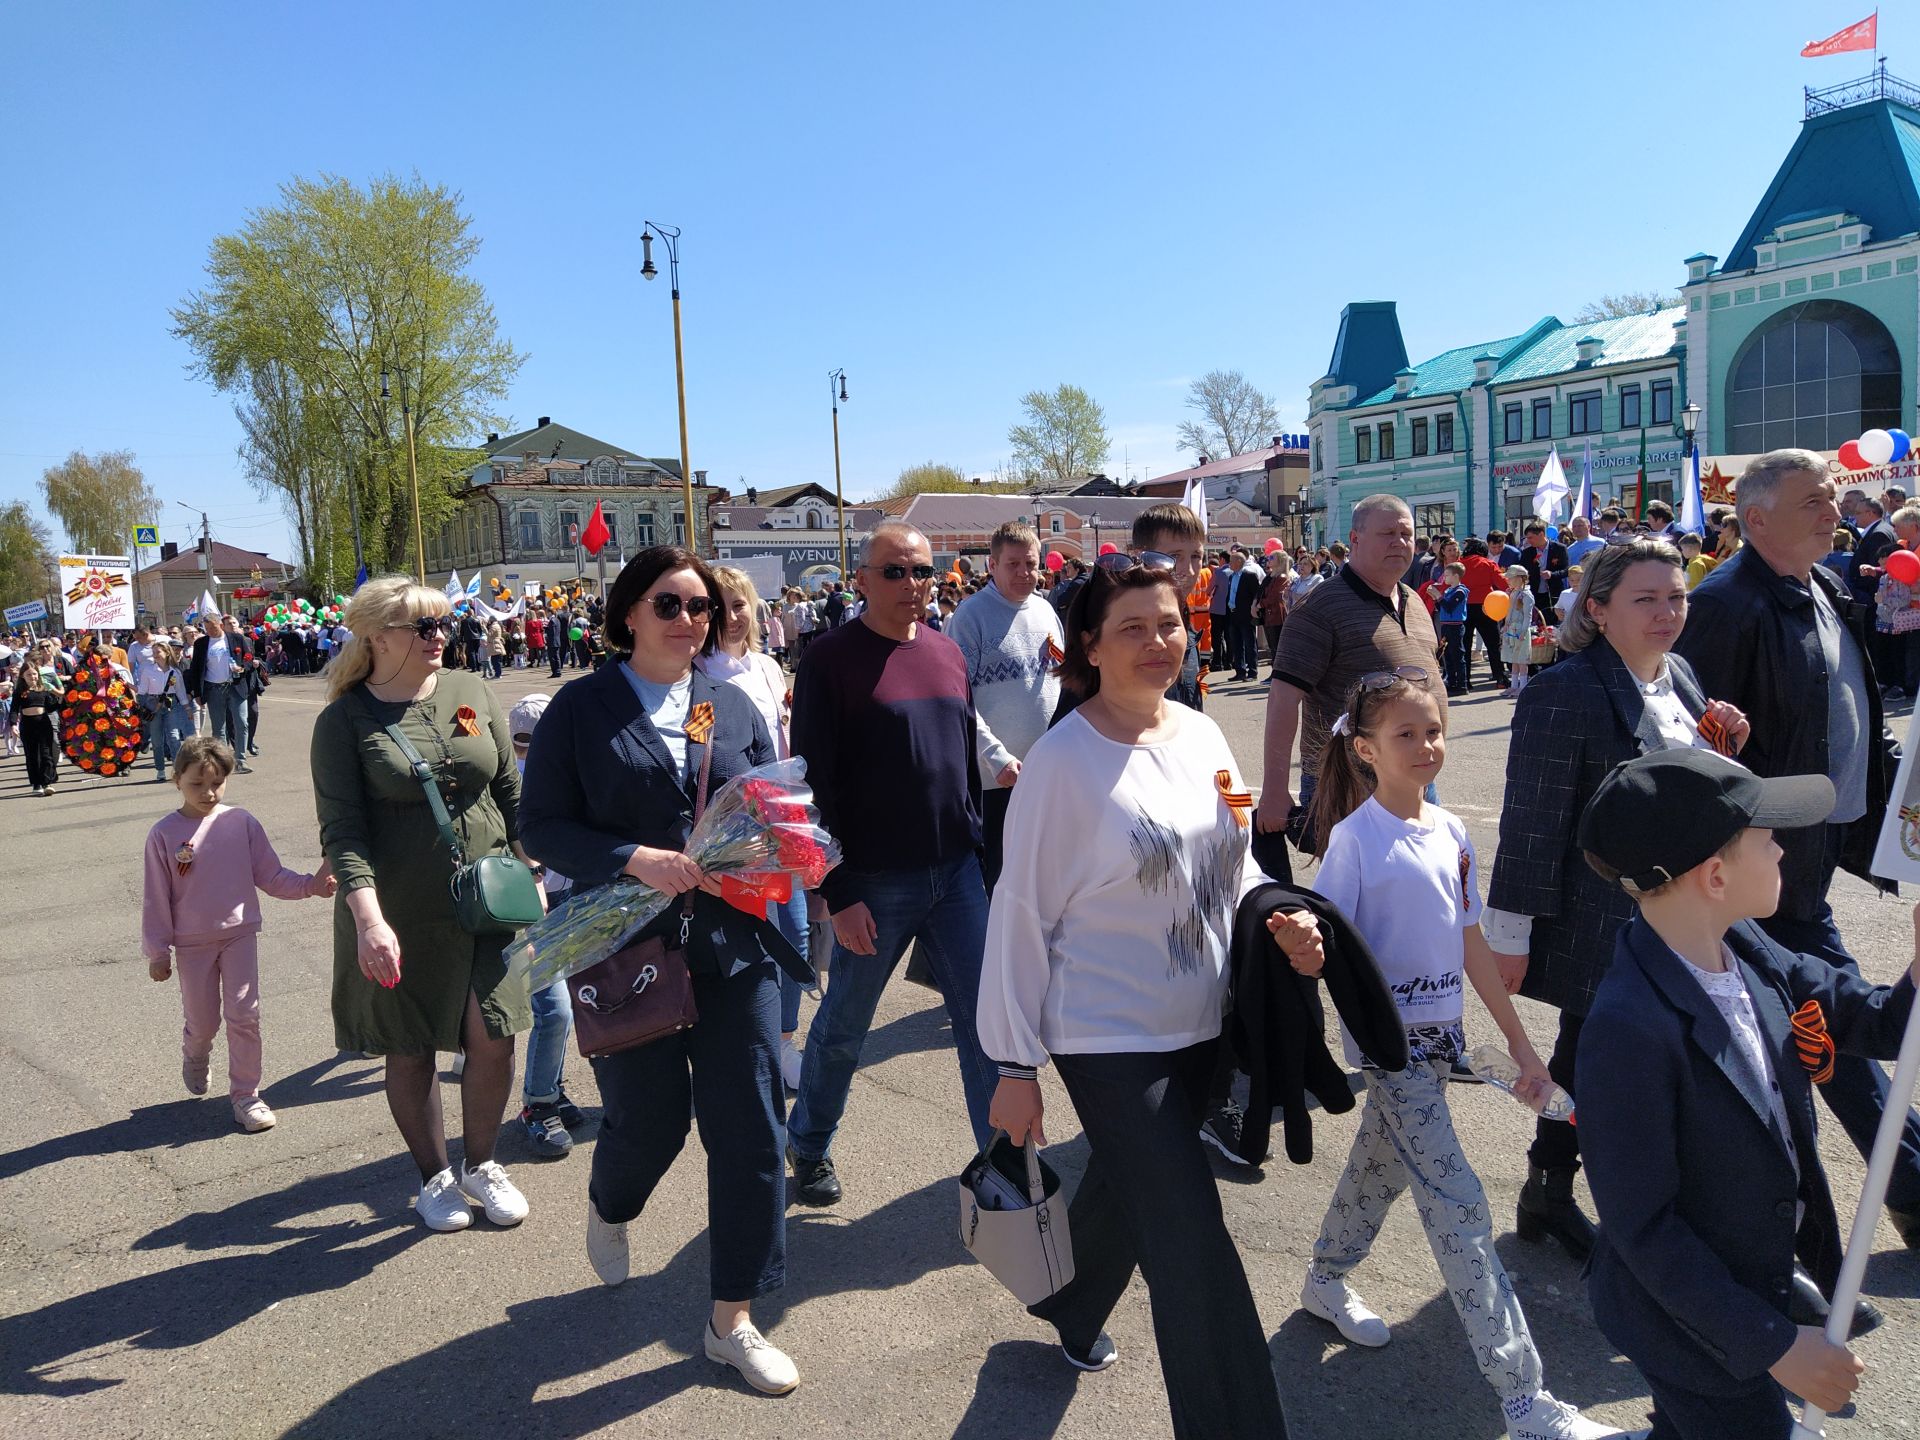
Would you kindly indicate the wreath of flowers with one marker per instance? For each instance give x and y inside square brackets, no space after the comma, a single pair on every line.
[100,720]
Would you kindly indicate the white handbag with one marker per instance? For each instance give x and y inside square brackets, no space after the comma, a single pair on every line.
[1019,1234]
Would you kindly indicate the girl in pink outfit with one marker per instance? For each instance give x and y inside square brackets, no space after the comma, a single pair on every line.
[205,864]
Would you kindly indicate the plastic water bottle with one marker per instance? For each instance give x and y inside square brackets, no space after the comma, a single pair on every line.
[1500,1070]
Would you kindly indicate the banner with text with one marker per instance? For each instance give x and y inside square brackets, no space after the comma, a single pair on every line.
[96,592]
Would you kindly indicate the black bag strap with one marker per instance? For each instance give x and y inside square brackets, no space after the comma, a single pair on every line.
[423,772]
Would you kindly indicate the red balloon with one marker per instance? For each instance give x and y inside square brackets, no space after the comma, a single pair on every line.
[1851,457]
[1109,548]
[1273,544]
[1904,566]
[1054,560]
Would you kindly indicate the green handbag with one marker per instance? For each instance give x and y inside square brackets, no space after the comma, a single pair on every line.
[494,895]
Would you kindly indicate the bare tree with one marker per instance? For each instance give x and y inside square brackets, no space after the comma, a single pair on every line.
[1236,416]
[1065,434]
[1627,302]
[99,499]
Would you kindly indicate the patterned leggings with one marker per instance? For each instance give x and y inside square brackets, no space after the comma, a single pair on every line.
[1406,1141]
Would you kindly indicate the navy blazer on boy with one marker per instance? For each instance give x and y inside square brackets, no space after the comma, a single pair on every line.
[1696,1188]
[600,782]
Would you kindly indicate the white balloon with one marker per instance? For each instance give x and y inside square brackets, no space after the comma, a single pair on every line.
[1876,447]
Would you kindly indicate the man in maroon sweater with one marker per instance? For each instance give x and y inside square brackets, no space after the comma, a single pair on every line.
[884,718]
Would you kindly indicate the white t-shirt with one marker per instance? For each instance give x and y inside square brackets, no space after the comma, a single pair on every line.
[764,683]
[148,678]
[1113,916]
[1411,888]
[1727,989]
[219,662]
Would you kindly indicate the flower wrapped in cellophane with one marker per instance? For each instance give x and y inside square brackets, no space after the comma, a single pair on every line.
[760,835]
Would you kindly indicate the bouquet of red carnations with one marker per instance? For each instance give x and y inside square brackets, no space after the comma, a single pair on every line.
[760,834]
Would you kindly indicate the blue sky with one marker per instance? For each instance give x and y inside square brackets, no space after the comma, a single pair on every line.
[956,203]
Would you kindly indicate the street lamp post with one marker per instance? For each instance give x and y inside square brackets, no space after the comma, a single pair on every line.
[413,473]
[836,392]
[1689,422]
[670,237]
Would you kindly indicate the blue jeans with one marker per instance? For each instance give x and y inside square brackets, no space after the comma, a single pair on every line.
[166,730]
[942,909]
[791,920]
[227,713]
[547,1045]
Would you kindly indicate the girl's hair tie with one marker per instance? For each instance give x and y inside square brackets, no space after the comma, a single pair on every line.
[1340,725]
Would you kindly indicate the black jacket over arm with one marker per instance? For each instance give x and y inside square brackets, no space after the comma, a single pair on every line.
[1276,1027]
[1574,723]
[1752,640]
[600,783]
[1696,1190]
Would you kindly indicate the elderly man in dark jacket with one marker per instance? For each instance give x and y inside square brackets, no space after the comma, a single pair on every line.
[1779,636]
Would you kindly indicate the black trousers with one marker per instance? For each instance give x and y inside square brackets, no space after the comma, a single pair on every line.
[1556,1144]
[993,830]
[1221,625]
[1241,652]
[1148,1200]
[1488,629]
[1273,641]
[41,741]
[1756,1412]
[724,1073]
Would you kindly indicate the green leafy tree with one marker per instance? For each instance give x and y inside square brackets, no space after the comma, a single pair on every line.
[1236,416]
[1062,436]
[1627,302]
[304,308]
[943,479]
[98,499]
[26,562]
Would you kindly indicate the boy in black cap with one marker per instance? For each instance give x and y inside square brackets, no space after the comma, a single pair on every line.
[1695,1085]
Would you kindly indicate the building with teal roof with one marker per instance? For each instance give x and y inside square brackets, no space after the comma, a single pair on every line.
[1807,335]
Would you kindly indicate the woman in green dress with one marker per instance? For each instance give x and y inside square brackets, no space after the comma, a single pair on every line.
[408,982]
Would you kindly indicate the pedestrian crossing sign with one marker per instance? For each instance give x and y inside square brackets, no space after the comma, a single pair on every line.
[146,534]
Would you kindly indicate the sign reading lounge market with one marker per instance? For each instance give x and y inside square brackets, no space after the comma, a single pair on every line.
[1610,460]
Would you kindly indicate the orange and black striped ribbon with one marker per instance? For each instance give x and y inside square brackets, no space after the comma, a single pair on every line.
[700,723]
[1811,1039]
[1240,802]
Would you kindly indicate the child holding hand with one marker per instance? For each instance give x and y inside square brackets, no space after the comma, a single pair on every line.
[1403,870]
[204,866]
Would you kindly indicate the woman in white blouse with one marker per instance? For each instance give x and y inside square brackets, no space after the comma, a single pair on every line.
[1126,858]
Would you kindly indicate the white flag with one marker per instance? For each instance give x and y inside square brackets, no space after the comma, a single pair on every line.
[208,605]
[1693,516]
[455,590]
[1551,493]
[1195,499]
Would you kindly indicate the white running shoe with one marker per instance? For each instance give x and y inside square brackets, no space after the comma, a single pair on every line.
[441,1206]
[490,1189]
[765,1368]
[606,1247]
[1541,1417]
[1334,1301]
[193,1072]
[789,1065]
[252,1115]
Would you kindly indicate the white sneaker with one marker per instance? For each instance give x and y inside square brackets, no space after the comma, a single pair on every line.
[1541,1417]
[762,1366]
[1335,1302]
[490,1189]
[441,1206]
[606,1247]
[193,1072]
[252,1115]
[789,1065]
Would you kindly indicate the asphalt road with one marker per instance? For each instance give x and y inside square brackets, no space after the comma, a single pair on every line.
[162,1274]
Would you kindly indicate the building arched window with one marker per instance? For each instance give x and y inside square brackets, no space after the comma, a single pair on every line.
[1815,376]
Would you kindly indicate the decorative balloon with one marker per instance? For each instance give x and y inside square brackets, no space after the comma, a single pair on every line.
[1875,446]
[1496,605]
[1107,547]
[1272,544]
[1553,532]
[1850,456]
[576,634]
[1054,561]
[1904,566]
[1902,443]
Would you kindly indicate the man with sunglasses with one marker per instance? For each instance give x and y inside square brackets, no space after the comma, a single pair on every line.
[884,718]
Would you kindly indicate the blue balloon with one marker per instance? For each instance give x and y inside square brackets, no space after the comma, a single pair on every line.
[1902,443]
[1553,532]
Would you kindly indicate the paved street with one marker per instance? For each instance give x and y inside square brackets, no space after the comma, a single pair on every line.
[162,1274]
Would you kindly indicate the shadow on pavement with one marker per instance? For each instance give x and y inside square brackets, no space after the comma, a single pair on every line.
[1022,1393]
[170,1125]
[183,1305]
[315,1086]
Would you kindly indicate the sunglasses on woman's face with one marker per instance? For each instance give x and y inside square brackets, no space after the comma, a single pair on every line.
[428,627]
[668,606]
[1120,562]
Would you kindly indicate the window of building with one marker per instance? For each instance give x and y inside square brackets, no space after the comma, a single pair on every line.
[642,530]
[1663,402]
[1386,440]
[1432,520]
[529,522]
[1420,437]
[679,527]
[613,526]
[1056,525]
[1443,434]
[1583,413]
[1362,446]
[1516,420]
[1543,419]
[569,527]
[1815,375]
[1630,407]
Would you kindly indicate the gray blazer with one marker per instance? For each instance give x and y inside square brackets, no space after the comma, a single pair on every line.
[1574,723]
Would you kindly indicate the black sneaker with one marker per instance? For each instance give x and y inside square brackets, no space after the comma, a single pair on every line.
[545,1131]
[1222,1130]
[570,1113]
[1461,1073]
[814,1181]
[1098,1356]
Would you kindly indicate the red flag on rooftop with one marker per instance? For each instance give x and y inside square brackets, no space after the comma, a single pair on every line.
[596,535]
[1861,35]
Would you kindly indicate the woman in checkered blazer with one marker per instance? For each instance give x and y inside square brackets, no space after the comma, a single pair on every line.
[1617,693]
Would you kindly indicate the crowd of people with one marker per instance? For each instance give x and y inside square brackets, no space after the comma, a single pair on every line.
[1028,793]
